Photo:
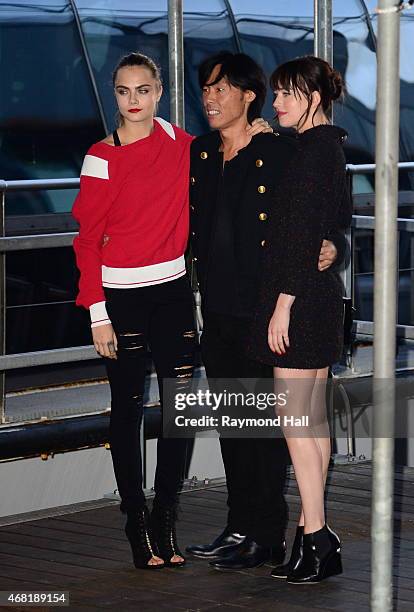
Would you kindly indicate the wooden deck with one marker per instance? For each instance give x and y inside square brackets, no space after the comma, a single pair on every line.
[85,552]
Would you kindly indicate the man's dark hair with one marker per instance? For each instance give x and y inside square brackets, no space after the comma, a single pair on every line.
[242,72]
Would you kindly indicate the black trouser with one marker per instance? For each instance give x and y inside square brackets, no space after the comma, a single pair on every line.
[255,467]
[161,317]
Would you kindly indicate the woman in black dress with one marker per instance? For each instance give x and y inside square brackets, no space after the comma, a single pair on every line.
[298,322]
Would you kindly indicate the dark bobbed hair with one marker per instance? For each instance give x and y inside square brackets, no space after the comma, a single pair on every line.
[241,71]
[307,74]
[137,59]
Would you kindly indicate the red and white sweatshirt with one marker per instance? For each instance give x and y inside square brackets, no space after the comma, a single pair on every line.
[133,214]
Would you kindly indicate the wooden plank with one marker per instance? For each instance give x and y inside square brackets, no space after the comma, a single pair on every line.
[63,557]
[88,551]
[47,534]
[56,546]
[49,567]
[35,576]
[364,470]
[110,535]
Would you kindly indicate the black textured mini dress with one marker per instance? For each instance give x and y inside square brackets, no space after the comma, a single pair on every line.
[311,201]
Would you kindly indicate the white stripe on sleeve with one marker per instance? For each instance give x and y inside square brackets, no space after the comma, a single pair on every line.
[98,314]
[95,166]
[166,126]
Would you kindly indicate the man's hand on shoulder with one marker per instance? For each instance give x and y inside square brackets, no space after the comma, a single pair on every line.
[327,256]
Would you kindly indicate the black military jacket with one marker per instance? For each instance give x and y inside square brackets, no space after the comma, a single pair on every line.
[252,182]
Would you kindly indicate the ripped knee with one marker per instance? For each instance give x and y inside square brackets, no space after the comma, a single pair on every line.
[131,341]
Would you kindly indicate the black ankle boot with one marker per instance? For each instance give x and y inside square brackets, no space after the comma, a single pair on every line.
[283,571]
[321,558]
[163,526]
[334,538]
[143,546]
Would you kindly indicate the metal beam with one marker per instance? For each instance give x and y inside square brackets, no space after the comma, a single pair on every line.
[89,66]
[232,18]
[73,183]
[385,311]
[37,184]
[40,241]
[61,434]
[176,61]
[48,357]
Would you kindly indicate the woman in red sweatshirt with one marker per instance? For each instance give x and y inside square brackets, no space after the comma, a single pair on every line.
[133,212]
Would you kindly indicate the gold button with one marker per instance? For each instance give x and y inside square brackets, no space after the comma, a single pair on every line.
[195,259]
[192,180]
[203,155]
[263,216]
[259,163]
[261,189]
[263,242]
[107,445]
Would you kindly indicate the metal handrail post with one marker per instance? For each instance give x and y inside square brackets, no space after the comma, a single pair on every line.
[323,30]
[323,33]
[176,61]
[2,309]
[385,315]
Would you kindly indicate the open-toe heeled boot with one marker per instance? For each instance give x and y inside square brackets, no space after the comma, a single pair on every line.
[163,525]
[139,534]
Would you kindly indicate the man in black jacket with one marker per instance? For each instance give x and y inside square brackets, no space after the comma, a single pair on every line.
[233,185]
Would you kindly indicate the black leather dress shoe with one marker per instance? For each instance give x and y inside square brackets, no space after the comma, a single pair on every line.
[226,543]
[246,556]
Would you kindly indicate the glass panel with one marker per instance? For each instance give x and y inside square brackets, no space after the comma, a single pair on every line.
[355,58]
[48,114]
[48,118]
[112,29]
[406,278]
[273,41]
[406,182]
[407,97]
[287,8]
[363,274]
[276,39]
[41,313]
[272,35]
[205,34]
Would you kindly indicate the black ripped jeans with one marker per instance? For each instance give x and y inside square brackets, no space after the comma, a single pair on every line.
[159,317]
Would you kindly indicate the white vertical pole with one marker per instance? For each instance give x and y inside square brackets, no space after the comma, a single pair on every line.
[385,312]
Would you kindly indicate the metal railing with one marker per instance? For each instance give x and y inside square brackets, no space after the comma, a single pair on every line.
[65,239]
[366,328]
[20,243]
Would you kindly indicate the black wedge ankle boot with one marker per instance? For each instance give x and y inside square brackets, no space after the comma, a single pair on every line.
[163,525]
[321,558]
[283,571]
[334,538]
[143,546]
